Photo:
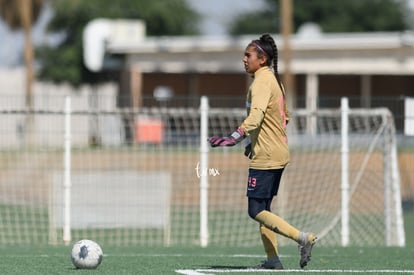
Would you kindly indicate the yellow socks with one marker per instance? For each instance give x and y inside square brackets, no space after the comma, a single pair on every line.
[278,225]
[269,241]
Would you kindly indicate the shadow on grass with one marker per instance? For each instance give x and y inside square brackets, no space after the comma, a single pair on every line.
[230,267]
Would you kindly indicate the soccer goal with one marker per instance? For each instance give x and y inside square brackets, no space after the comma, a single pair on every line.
[342,182]
[344,176]
[147,177]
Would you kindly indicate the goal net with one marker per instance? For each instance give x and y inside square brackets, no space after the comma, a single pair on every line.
[140,177]
[342,182]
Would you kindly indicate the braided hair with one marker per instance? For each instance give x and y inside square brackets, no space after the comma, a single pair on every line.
[266,46]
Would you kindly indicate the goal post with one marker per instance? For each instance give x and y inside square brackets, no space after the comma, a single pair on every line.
[392,194]
[344,172]
[394,185]
[204,168]
[67,182]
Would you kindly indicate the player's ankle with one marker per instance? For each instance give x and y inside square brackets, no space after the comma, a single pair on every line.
[302,238]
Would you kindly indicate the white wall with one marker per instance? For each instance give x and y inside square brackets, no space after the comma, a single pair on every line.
[48,128]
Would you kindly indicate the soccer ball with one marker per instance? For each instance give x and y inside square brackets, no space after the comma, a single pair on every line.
[86,254]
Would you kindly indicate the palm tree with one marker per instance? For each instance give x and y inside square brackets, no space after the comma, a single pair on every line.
[20,14]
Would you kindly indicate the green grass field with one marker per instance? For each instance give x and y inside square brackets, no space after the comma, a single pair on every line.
[213,260]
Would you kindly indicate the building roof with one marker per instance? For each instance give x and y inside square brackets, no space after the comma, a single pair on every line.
[312,52]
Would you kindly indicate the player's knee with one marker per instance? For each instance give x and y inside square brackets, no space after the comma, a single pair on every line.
[252,213]
[255,207]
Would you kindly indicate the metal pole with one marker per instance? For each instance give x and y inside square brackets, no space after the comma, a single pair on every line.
[395,186]
[203,174]
[67,173]
[286,29]
[344,171]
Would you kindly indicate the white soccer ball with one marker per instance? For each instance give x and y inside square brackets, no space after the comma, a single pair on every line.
[86,254]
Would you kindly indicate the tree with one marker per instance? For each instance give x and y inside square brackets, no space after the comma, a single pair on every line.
[331,15]
[21,14]
[64,63]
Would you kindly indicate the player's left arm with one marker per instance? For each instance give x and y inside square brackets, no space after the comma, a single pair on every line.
[260,99]
[231,140]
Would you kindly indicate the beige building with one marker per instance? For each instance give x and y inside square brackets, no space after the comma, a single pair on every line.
[373,69]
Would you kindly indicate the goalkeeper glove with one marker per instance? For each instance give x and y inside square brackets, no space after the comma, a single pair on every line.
[231,140]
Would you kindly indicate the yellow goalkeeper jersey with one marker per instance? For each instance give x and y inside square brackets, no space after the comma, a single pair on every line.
[266,121]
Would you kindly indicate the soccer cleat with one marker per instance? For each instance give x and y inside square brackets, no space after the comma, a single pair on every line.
[273,263]
[307,240]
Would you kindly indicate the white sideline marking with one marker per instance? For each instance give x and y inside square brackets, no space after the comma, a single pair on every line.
[330,271]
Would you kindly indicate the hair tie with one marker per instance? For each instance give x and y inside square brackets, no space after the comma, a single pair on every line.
[260,48]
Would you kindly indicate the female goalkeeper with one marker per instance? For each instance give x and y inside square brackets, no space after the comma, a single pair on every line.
[265,125]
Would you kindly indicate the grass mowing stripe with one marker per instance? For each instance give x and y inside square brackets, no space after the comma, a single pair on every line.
[201,255]
[329,271]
